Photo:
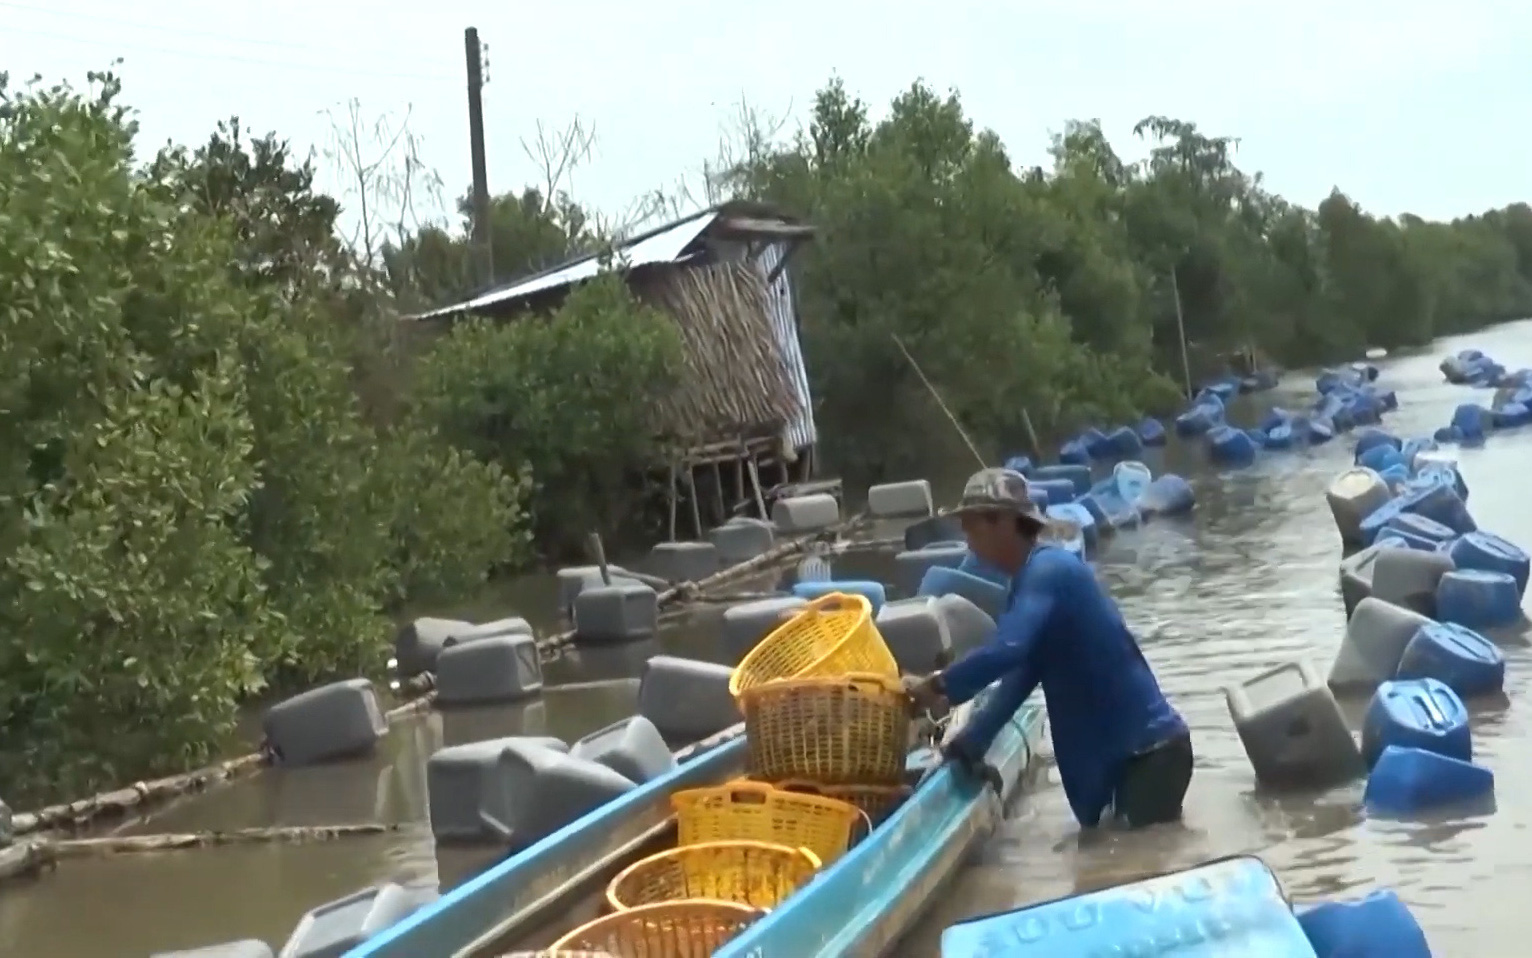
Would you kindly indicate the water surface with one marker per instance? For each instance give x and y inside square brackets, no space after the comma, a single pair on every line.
[1248,583]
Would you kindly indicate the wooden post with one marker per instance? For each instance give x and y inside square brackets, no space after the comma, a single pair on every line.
[691,484]
[597,553]
[674,491]
[739,480]
[755,482]
[1186,365]
[723,509]
[962,434]
[1037,447]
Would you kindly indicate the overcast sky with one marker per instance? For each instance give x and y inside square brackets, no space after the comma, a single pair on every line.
[1408,106]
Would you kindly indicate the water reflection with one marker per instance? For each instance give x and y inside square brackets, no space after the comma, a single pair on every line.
[1247,583]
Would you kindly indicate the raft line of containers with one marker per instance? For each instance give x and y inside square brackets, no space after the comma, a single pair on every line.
[1423,583]
[1082,512]
[1127,442]
[1425,587]
[1511,406]
[1347,398]
[828,730]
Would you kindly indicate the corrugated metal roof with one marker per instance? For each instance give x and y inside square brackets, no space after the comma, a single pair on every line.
[662,246]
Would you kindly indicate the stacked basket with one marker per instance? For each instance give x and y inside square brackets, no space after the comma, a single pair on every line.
[824,712]
[827,729]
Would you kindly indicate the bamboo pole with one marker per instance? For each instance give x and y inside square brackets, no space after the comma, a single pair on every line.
[30,859]
[597,553]
[1186,364]
[122,801]
[169,842]
[938,397]
[1037,446]
[755,485]
[731,598]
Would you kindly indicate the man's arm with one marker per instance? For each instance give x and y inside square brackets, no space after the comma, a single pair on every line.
[986,721]
[1016,634]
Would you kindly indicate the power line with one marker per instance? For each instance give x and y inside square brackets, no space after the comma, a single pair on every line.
[325,49]
[233,58]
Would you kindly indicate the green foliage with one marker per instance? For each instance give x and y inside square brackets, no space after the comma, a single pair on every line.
[192,504]
[568,399]
[927,235]
[454,517]
[133,605]
[1046,297]
[1055,291]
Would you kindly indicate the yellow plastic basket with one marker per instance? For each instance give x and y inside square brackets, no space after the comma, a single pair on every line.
[759,812]
[876,802]
[832,636]
[758,874]
[852,730]
[672,929]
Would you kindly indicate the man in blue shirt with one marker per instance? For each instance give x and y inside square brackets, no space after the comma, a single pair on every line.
[1117,742]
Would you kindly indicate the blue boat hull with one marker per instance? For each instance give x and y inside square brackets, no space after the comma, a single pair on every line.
[865,902]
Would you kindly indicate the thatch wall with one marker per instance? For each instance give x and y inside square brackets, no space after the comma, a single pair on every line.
[736,383]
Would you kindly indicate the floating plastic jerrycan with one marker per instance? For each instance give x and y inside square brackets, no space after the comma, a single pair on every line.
[1132,479]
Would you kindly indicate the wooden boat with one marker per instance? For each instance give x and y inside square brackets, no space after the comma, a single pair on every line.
[890,876]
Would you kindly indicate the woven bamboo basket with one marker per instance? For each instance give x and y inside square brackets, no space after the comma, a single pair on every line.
[852,730]
[758,874]
[671,929]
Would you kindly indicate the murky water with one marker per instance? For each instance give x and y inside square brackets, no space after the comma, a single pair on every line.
[1250,582]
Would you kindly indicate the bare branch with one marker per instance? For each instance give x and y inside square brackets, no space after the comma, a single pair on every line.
[643,209]
[557,153]
[746,137]
[385,178]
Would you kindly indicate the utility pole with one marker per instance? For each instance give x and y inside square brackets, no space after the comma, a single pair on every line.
[481,233]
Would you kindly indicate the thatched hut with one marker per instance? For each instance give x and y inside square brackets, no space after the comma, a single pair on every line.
[742,423]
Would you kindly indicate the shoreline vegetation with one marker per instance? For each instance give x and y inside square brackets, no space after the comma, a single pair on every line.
[225,463]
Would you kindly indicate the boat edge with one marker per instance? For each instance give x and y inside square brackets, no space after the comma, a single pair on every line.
[815,922]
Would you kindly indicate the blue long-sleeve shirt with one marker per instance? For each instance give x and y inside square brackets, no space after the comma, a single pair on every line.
[1062,630]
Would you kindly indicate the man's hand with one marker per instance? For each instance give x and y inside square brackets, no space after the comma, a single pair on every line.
[959,753]
[924,691]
